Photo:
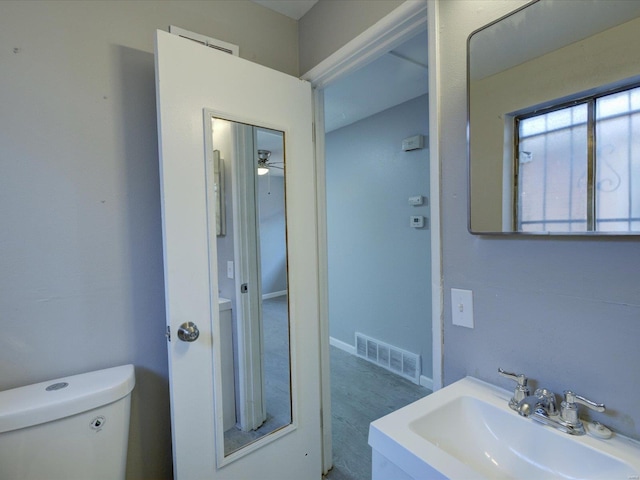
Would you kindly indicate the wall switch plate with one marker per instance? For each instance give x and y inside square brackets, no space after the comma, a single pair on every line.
[230,269]
[462,307]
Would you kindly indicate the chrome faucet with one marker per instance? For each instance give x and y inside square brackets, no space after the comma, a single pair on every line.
[542,407]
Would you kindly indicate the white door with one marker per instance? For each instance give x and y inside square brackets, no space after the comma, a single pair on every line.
[192,79]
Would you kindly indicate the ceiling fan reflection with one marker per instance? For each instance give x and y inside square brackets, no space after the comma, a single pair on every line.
[263,162]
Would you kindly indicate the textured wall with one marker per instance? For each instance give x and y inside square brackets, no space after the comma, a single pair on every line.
[379,267]
[81,286]
[331,24]
[564,311]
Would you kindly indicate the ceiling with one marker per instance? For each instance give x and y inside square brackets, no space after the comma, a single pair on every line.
[394,78]
[291,8]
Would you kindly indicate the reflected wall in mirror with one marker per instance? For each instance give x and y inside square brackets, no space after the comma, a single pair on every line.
[253,384]
[554,120]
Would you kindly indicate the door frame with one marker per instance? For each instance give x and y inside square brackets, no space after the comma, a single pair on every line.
[401,24]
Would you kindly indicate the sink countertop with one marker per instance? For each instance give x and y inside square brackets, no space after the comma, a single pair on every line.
[410,438]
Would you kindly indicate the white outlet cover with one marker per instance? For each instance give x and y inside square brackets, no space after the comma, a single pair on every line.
[462,307]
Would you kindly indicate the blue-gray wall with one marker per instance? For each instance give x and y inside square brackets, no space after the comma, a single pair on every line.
[564,311]
[273,253]
[379,267]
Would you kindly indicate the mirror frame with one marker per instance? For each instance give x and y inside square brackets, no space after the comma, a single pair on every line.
[515,234]
[221,459]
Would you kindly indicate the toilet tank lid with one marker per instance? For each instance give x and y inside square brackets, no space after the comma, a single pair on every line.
[34,404]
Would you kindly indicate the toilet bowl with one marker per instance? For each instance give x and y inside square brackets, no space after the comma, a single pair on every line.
[70,428]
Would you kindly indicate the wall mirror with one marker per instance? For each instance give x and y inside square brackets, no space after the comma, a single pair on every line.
[554,120]
[253,386]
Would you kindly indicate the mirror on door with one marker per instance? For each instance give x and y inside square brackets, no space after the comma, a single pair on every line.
[246,205]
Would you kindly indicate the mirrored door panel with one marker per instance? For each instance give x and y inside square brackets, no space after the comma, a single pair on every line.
[246,191]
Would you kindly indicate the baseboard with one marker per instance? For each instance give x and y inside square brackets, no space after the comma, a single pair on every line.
[426,382]
[267,296]
[334,342]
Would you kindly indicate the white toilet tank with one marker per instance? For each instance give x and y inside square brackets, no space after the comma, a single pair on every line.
[72,428]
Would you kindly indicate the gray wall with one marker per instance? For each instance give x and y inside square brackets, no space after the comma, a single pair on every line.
[81,243]
[564,311]
[379,267]
[331,24]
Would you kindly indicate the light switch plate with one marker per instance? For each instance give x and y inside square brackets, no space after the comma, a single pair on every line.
[230,269]
[462,307]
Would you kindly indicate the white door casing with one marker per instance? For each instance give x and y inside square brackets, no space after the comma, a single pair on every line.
[190,78]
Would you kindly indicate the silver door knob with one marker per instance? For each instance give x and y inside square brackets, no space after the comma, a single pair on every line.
[188,332]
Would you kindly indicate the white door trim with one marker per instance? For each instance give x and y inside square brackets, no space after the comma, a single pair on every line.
[389,32]
[401,24]
[437,282]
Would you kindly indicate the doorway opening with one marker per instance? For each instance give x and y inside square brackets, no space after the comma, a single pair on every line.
[378,261]
[381,213]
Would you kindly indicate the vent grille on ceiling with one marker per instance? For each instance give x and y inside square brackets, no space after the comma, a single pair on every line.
[392,358]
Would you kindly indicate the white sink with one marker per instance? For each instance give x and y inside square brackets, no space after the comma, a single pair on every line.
[467,431]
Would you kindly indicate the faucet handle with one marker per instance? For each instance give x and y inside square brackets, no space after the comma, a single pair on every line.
[521,391]
[569,409]
[570,397]
[518,377]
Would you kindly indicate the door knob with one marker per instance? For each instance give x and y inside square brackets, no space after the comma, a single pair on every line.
[188,332]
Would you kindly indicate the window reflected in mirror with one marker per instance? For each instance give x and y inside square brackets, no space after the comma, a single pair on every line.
[578,166]
[553,123]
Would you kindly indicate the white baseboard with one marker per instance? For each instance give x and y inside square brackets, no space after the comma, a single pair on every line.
[425,382]
[334,342]
[267,296]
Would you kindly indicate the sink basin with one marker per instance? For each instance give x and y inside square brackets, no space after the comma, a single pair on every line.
[467,430]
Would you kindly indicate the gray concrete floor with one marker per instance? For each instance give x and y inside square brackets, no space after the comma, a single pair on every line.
[360,393]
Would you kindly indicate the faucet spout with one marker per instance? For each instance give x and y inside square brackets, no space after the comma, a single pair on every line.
[542,402]
[528,405]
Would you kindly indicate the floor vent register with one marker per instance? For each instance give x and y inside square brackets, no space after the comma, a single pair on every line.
[394,359]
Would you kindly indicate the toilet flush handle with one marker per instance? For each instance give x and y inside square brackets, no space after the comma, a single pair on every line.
[188,332]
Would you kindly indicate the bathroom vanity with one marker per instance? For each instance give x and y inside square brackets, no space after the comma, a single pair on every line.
[468,431]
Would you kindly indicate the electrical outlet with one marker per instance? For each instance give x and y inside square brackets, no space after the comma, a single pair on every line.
[462,307]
